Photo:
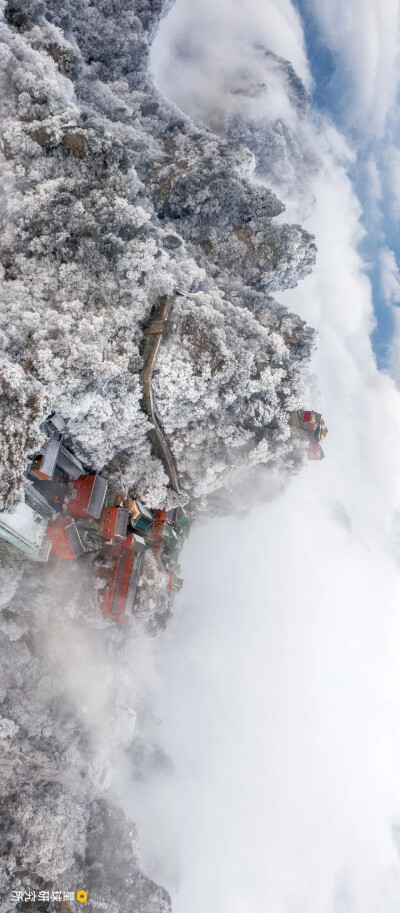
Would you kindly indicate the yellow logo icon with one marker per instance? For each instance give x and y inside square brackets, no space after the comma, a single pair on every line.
[81,896]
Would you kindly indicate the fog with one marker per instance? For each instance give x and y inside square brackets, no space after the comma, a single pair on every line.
[279,691]
[279,706]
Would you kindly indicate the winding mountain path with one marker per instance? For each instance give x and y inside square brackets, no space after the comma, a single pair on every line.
[153,336]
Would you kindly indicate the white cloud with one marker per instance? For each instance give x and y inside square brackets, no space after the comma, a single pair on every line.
[337,300]
[374,192]
[389,276]
[213,40]
[281,694]
[395,346]
[392,169]
[365,35]
[279,713]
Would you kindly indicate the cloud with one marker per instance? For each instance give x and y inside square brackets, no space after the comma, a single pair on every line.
[392,175]
[364,34]
[389,276]
[374,192]
[337,300]
[276,709]
[213,41]
[394,358]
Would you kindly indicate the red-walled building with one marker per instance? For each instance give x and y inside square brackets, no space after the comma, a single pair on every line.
[313,422]
[315,452]
[314,429]
[120,594]
[174,583]
[44,466]
[131,541]
[65,539]
[127,543]
[88,496]
[115,523]
[311,419]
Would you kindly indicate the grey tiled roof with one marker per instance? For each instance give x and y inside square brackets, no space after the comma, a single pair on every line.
[51,455]
[75,539]
[133,583]
[69,463]
[97,497]
[122,523]
[35,499]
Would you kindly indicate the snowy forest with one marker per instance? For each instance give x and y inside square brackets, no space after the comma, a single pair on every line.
[112,199]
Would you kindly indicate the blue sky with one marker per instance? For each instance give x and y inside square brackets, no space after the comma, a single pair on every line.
[333,95]
[330,94]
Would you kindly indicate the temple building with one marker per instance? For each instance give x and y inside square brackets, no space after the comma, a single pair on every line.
[174,583]
[43,466]
[88,497]
[65,539]
[312,427]
[141,518]
[54,455]
[26,530]
[114,524]
[69,512]
[119,598]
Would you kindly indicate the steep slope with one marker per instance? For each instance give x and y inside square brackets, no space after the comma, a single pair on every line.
[112,199]
[284,153]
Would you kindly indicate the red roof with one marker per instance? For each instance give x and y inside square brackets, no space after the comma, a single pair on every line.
[121,590]
[170,581]
[315,452]
[82,491]
[88,496]
[126,543]
[57,532]
[36,471]
[109,526]
[107,607]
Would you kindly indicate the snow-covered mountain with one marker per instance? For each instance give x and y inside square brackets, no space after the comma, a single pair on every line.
[112,199]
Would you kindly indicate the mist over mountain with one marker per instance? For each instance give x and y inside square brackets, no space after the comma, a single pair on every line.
[244,92]
[113,199]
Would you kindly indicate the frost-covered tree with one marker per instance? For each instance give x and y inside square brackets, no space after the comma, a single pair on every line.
[111,199]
